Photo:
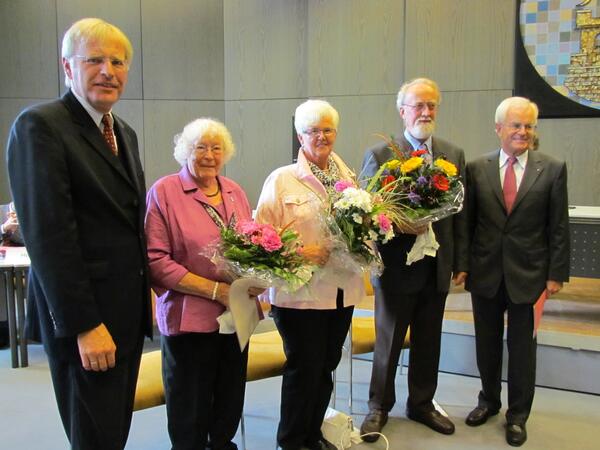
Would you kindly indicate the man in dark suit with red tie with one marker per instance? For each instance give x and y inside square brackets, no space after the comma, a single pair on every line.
[519,249]
[414,295]
[78,186]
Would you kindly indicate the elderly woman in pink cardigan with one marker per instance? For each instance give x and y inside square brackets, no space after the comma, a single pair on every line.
[314,320]
[204,371]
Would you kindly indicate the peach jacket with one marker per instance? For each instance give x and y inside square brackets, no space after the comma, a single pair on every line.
[292,194]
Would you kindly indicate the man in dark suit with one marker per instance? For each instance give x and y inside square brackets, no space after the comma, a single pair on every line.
[414,295]
[78,186]
[519,249]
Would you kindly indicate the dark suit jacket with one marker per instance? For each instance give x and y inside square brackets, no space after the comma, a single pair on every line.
[527,247]
[81,211]
[451,233]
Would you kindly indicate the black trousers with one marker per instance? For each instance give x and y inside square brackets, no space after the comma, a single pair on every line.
[488,314]
[204,375]
[394,312]
[96,407]
[312,341]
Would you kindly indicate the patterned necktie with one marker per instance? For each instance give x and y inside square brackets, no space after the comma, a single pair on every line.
[109,137]
[510,184]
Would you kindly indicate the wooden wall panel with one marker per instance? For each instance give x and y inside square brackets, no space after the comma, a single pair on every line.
[162,121]
[123,14]
[467,119]
[462,44]
[29,51]
[265,49]
[355,47]
[262,132]
[577,142]
[182,49]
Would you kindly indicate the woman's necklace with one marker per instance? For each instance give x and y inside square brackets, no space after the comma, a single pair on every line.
[215,194]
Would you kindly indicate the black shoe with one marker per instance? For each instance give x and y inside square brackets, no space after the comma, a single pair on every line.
[373,423]
[433,419]
[516,435]
[479,416]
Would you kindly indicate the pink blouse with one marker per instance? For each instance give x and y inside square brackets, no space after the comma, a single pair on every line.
[178,229]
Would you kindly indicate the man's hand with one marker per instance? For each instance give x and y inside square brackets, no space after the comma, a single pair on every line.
[459,278]
[552,287]
[96,349]
[11,223]
[409,229]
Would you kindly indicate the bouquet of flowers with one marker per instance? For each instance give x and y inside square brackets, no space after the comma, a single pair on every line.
[250,249]
[359,218]
[427,193]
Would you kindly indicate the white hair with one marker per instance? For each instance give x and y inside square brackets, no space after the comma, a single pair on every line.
[312,112]
[507,103]
[195,131]
[406,86]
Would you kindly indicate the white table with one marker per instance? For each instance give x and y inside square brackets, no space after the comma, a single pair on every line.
[14,267]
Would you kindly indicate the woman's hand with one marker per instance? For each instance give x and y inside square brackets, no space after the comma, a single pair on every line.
[316,254]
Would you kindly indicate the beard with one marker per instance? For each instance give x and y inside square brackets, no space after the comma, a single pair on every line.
[422,130]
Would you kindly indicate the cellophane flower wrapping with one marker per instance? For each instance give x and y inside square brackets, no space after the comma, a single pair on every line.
[259,251]
[425,193]
[356,220]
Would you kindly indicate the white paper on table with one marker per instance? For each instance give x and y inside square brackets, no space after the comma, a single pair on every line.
[243,308]
[425,245]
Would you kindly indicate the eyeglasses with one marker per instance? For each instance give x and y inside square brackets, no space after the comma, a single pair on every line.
[515,126]
[203,149]
[314,132]
[432,106]
[95,61]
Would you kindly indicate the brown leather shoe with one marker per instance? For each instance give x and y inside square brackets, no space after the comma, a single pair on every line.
[516,435]
[373,423]
[433,419]
[479,416]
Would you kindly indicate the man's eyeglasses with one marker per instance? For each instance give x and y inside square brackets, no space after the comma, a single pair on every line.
[515,126]
[314,132]
[94,61]
[432,106]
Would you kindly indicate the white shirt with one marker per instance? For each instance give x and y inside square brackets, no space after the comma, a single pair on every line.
[518,166]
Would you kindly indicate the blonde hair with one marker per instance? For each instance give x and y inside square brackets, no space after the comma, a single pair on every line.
[195,131]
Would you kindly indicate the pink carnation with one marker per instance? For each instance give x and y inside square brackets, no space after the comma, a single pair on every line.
[270,239]
[384,223]
[342,185]
[248,227]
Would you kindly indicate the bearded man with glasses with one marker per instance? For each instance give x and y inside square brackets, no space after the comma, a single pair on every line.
[77,182]
[414,295]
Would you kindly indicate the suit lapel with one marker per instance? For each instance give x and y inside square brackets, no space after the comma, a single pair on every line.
[492,171]
[533,170]
[91,133]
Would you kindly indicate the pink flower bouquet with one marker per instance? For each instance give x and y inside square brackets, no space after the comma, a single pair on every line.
[259,251]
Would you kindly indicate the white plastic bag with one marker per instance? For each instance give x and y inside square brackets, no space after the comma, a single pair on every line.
[338,429]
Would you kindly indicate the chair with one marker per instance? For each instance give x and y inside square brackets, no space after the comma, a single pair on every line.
[265,359]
